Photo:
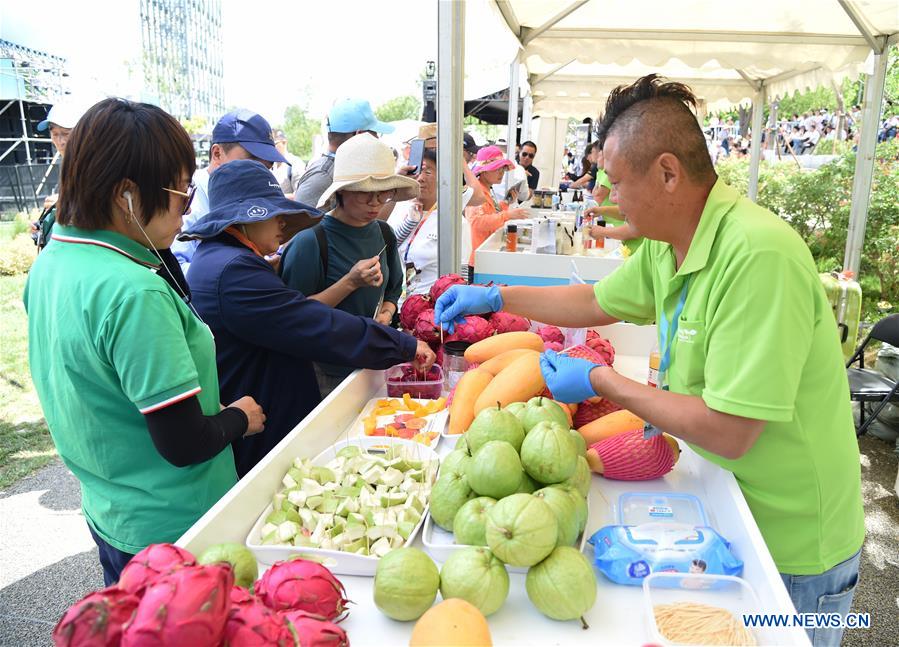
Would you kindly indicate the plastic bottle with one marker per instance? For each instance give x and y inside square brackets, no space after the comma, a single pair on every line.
[655,361]
[511,238]
[600,242]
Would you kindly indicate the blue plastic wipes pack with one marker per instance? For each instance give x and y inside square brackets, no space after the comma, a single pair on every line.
[661,533]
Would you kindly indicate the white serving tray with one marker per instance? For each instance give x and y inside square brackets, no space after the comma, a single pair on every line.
[340,562]
[436,421]
[440,543]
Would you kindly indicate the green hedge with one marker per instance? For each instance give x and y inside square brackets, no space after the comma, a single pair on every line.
[816,203]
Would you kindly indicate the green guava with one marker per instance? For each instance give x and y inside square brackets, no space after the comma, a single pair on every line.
[541,409]
[562,586]
[548,453]
[521,529]
[475,575]
[449,493]
[494,423]
[563,506]
[495,470]
[241,558]
[470,523]
[406,583]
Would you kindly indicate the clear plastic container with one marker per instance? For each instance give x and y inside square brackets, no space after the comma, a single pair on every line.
[636,508]
[454,363]
[403,379]
[733,594]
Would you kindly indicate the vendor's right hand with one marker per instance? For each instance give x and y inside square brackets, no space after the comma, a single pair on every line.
[461,300]
[254,413]
[366,273]
[424,358]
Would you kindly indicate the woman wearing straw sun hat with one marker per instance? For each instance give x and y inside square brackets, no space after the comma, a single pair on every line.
[489,168]
[350,260]
[267,335]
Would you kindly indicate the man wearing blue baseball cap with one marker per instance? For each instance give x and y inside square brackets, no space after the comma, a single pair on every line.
[240,134]
[346,118]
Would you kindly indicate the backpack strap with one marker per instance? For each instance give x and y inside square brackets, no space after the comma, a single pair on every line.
[387,234]
[321,236]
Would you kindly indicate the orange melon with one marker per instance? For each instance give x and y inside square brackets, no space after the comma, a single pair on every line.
[452,622]
[610,425]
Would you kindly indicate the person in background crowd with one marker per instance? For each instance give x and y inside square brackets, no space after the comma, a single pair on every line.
[796,140]
[60,120]
[124,370]
[526,159]
[485,219]
[784,430]
[350,261]
[810,140]
[513,188]
[267,334]
[287,174]
[588,179]
[469,148]
[347,118]
[240,134]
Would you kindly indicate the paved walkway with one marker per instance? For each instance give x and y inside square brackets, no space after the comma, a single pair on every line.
[48,560]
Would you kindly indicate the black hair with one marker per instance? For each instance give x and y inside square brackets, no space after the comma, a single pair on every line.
[430,154]
[529,143]
[652,116]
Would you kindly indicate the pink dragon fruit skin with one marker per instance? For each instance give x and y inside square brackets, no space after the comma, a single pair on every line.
[472,330]
[314,631]
[186,607]
[506,322]
[552,345]
[300,584]
[425,329]
[150,563]
[96,619]
[412,307]
[255,625]
[443,284]
[601,345]
[240,596]
[551,334]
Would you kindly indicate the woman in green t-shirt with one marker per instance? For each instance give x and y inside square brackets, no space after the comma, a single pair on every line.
[124,369]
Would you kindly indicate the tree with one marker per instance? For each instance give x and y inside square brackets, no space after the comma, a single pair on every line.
[406,107]
[300,130]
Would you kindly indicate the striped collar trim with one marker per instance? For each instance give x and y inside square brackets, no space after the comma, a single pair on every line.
[107,245]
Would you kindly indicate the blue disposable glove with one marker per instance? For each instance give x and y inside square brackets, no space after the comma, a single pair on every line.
[567,377]
[461,300]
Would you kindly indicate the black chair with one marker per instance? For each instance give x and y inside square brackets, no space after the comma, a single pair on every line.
[866,385]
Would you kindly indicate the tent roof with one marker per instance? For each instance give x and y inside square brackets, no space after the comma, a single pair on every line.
[575,51]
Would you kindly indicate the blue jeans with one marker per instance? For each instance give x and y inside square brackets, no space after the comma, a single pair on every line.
[829,592]
[112,559]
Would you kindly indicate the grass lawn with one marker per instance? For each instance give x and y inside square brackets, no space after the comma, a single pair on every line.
[25,443]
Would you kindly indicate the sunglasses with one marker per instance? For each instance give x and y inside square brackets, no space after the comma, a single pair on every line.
[189,196]
[529,155]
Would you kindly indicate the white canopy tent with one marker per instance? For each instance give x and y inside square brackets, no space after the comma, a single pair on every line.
[575,51]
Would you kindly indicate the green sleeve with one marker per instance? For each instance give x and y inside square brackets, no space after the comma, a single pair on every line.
[143,339]
[302,265]
[603,180]
[758,336]
[627,293]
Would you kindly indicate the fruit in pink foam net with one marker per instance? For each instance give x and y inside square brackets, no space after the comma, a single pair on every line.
[304,585]
[412,307]
[588,411]
[472,330]
[186,607]
[551,334]
[96,619]
[425,329]
[255,625]
[506,322]
[150,563]
[552,345]
[443,284]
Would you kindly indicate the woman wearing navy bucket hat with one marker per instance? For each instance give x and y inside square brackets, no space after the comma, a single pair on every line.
[267,335]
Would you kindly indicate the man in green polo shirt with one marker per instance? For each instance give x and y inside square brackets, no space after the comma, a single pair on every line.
[754,378]
[615,227]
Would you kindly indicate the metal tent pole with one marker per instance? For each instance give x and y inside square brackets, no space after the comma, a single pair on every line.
[513,111]
[450,111]
[758,110]
[864,163]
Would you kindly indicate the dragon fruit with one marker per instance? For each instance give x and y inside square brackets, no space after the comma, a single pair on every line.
[506,322]
[551,334]
[186,607]
[412,307]
[585,352]
[150,563]
[552,345]
[472,330]
[255,625]
[443,284]
[602,346]
[314,631]
[240,596]
[588,411]
[304,585]
[425,329]
[96,619]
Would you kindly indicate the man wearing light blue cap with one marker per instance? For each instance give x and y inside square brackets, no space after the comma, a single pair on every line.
[348,117]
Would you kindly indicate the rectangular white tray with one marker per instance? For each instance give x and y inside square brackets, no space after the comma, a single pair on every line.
[436,421]
[440,543]
[340,562]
